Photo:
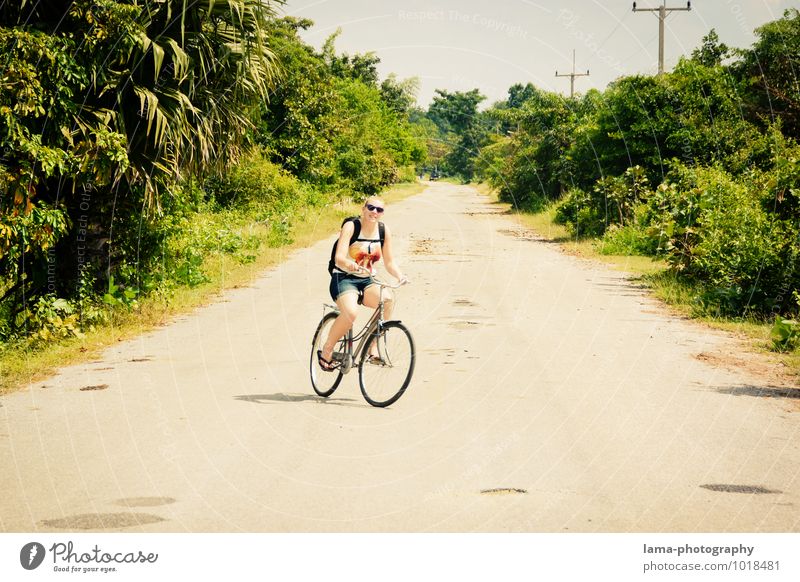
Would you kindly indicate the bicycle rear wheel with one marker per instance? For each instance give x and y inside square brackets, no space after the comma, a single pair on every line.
[384,379]
[324,382]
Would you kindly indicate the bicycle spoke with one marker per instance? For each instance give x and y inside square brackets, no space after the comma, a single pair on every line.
[387,365]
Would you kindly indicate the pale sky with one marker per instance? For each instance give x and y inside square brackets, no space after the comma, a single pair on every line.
[490,45]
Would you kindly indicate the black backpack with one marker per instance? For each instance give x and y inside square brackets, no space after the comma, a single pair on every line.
[356,231]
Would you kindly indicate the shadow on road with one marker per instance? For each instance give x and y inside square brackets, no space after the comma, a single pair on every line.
[622,288]
[102,521]
[281,397]
[760,391]
[731,488]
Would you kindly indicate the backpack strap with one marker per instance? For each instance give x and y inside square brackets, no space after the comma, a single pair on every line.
[356,231]
[356,227]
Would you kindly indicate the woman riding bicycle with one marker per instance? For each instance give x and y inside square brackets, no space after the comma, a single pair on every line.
[352,277]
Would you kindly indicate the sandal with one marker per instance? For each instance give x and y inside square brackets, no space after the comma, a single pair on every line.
[326,365]
[375,360]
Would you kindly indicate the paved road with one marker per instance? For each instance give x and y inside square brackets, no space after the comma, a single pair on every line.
[550,395]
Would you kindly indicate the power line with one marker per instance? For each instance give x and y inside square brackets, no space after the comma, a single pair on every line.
[663,12]
[572,76]
[620,21]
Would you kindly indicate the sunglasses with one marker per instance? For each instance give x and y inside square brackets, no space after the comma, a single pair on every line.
[371,208]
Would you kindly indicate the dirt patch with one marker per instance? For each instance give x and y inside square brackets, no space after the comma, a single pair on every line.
[766,369]
[464,324]
[486,212]
[442,351]
[421,246]
[521,234]
[503,491]
[94,387]
[464,303]
[750,489]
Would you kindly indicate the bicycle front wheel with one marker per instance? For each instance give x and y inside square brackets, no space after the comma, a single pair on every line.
[323,381]
[387,364]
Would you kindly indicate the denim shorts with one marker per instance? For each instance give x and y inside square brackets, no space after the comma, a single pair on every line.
[344,283]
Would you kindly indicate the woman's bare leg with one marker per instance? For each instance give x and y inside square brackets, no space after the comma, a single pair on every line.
[348,311]
[372,296]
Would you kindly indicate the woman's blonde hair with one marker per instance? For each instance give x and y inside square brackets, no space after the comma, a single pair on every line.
[374,199]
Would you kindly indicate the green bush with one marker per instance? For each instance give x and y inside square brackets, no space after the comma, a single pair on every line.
[785,334]
[614,200]
[782,182]
[717,231]
[254,203]
[363,170]
[189,268]
[577,211]
[628,240]
[407,174]
[50,318]
[492,161]
[255,180]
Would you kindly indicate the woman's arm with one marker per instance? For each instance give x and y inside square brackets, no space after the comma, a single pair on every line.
[388,256]
[341,260]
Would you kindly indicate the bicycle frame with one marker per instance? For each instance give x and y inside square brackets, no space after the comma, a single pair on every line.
[385,364]
[349,357]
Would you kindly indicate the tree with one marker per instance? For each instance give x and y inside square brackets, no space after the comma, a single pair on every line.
[193,80]
[374,144]
[330,127]
[400,96]
[539,165]
[456,115]
[518,94]
[302,118]
[359,67]
[712,52]
[105,106]
[772,69]
[456,111]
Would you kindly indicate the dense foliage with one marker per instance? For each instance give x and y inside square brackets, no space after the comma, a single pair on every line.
[134,132]
[700,166]
[138,138]
[460,127]
[330,122]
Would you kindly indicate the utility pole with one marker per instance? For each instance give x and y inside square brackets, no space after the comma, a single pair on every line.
[663,12]
[572,76]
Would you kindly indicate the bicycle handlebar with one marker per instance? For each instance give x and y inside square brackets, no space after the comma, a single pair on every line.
[397,285]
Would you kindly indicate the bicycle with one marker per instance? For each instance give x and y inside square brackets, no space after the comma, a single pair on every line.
[385,354]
